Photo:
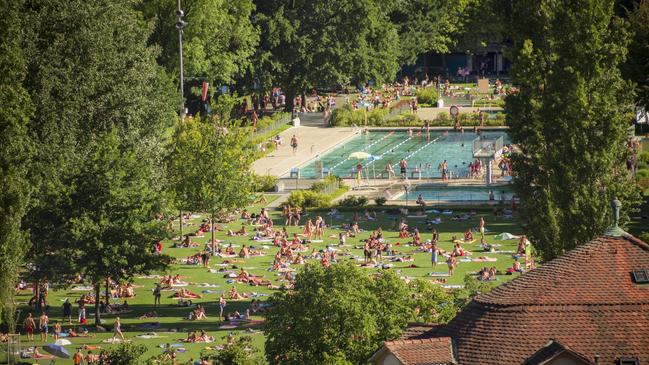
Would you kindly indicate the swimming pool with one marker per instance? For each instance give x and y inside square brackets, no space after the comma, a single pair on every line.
[458,193]
[389,147]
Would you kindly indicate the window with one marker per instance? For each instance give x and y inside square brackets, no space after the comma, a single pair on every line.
[640,277]
[630,360]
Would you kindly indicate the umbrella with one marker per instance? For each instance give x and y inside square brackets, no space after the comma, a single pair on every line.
[62,342]
[360,155]
[56,350]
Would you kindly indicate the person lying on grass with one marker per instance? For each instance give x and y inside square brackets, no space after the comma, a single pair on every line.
[196,337]
[185,294]
[148,315]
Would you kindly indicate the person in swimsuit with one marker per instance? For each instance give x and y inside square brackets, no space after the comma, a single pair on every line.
[29,325]
[43,322]
[117,327]
[434,251]
[294,144]
[482,229]
[404,168]
[222,304]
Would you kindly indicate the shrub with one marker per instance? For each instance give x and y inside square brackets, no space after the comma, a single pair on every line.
[443,116]
[346,116]
[354,201]
[427,96]
[644,183]
[644,158]
[263,183]
[380,201]
[309,199]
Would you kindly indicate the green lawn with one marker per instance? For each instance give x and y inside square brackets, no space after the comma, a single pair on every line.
[172,317]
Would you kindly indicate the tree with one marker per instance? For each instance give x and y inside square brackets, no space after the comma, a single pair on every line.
[209,167]
[308,44]
[15,155]
[427,25]
[111,216]
[90,71]
[338,313]
[126,354]
[569,118]
[636,67]
[218,41]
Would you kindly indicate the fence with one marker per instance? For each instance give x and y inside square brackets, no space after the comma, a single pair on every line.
[487,147]
[261,132]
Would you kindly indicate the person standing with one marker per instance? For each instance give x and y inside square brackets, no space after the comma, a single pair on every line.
[77,359]
[404,168]
[157,293]
[433,254]
[482,229]
[29,325]
[67,310]
[43,322]
[82,312]
[294,144]
[222,304]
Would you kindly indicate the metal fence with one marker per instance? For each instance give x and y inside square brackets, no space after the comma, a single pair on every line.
[487,147]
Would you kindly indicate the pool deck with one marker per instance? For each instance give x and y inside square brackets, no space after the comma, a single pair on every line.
[313,139]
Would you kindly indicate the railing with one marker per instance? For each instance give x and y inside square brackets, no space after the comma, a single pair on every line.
[285,119]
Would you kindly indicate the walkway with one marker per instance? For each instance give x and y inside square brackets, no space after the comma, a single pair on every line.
[313,139]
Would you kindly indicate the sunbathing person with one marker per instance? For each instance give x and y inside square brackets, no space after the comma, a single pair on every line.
[147,315]
[468,236]
[235,295]
[197,314]
[185,294]
[241,232]
[229,250]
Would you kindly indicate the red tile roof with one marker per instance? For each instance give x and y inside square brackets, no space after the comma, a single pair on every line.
[586,300]
[430,351]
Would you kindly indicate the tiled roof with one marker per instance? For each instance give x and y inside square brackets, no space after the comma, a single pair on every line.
[550,351]
[430,351]
[596,273]
[586,300]
[416,330]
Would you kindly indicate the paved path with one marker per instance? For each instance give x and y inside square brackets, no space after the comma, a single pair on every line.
[313,139]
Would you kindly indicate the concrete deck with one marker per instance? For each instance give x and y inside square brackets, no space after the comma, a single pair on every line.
[313,139]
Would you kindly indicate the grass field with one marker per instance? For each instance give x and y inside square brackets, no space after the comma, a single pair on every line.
[172,325]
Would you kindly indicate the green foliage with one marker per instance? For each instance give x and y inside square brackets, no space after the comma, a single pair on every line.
[307,43]
[346,117]
[218,41]
[569,119]
[642,174]
[15,155]
[432,303]
[472,287]
[636,67]
[126,354]
[309,199]
[427,96]
[263,183]
[209,167]
[380,201]
[335,313]
[354,201]
[240,352]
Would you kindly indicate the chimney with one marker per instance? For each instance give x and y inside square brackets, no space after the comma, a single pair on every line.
[614,230]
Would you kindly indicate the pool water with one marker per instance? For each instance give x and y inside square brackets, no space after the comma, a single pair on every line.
[458,193]
[392,146]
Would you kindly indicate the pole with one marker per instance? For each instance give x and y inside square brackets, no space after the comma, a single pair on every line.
[180,25]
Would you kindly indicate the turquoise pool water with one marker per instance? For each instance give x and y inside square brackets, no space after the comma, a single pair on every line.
[458,193]
[392,146]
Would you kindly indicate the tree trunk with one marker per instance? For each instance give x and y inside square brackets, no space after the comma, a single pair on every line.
[97,314]
[181,224]
[213,242]
[37,296]
[290,97]
[107,293]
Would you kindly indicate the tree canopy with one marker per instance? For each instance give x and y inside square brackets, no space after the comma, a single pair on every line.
[570,118]
[15,154]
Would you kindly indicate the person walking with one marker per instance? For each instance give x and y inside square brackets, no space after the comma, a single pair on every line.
[294,144]
[117,329]
[482,229]
[77,358]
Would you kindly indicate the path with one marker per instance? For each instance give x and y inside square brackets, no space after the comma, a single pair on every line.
[313,139]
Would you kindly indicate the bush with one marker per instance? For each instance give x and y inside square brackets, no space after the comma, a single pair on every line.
[330,182]
[644,158]
[354,201]
[443,116]
[309,199]
[642,174]
[263,183]
[380,201]
[644,184]
[427,96]
[346,116]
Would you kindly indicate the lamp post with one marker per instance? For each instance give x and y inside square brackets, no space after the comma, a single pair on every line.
[180,24]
